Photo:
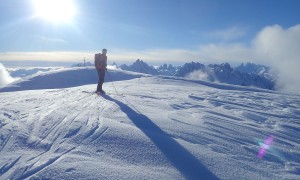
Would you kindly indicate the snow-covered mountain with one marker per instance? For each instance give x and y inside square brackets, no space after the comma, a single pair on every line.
[154,127]
[141,67]
[257,69]
[226,74]
[249,75]
[167,70]
[188,68]
[252,68]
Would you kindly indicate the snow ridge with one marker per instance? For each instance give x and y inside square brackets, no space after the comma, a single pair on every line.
[64,78]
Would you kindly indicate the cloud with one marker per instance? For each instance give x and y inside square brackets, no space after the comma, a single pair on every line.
[5,78]
[281,48]
[52,40]
[199,74]
[231,33]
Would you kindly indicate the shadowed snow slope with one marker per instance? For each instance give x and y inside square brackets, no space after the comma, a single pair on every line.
[156,128]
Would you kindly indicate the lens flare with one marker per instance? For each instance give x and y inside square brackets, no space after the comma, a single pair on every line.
[265,146]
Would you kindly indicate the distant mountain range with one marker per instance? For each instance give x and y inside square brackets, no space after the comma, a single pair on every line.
[248,74]
[245,75]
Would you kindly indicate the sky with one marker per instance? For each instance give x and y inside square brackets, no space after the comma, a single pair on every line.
[208,31]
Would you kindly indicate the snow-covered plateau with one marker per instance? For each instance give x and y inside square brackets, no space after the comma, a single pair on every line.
[52,126]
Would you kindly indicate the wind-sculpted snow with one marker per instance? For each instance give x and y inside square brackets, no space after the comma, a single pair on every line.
[173,151]
[155,128]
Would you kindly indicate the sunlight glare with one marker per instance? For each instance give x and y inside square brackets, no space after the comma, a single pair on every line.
[55,10]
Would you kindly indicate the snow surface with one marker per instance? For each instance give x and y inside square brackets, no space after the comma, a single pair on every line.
[153,128]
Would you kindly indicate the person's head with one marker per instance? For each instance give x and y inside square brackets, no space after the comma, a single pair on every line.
[104,51]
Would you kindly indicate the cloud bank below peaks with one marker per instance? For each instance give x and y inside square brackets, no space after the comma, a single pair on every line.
[280,48]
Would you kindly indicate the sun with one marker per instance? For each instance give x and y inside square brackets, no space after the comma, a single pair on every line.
[55,10]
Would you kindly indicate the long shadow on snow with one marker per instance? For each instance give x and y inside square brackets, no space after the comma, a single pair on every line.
[182,160]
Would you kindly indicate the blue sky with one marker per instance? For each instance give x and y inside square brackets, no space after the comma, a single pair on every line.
[153,30]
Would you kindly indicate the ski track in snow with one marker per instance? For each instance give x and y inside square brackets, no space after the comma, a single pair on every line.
[159,128]
[50,128]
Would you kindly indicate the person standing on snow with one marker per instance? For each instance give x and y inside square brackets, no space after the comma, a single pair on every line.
[100,65]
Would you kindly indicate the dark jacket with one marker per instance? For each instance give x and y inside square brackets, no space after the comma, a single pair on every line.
[100,61]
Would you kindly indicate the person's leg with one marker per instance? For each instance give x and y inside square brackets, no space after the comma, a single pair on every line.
[101,74]
[99,86]
[102,78]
